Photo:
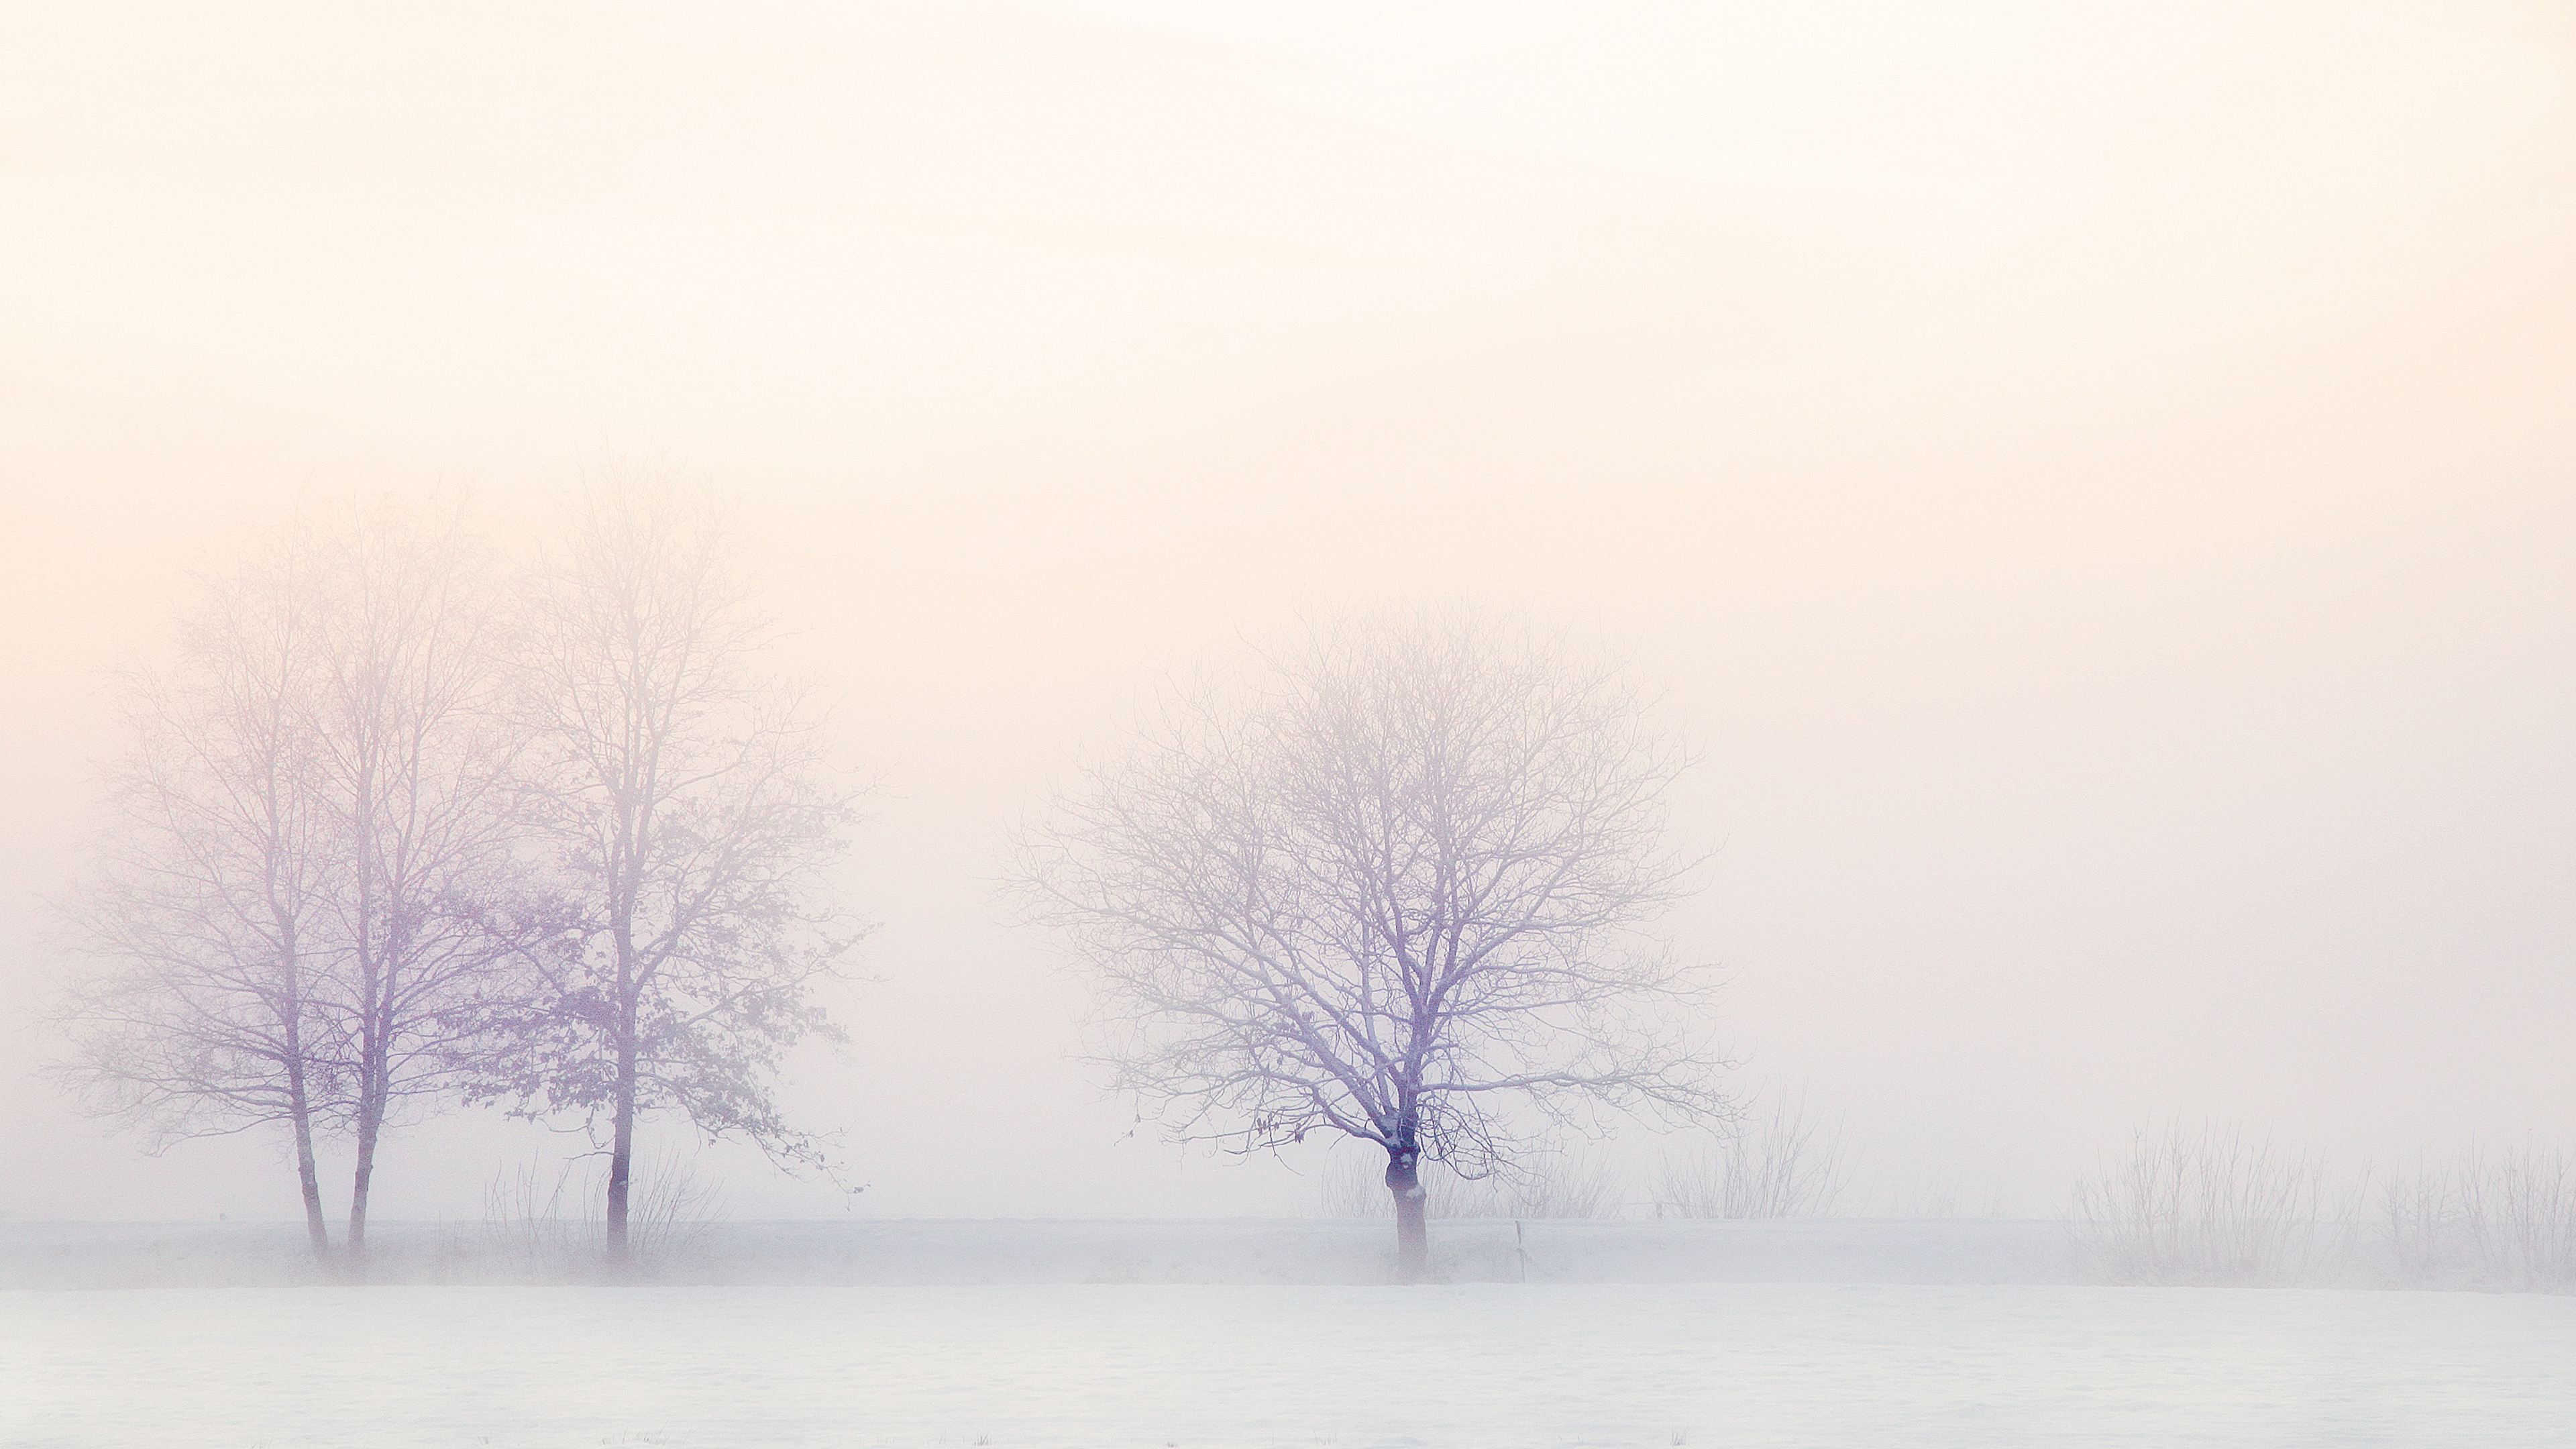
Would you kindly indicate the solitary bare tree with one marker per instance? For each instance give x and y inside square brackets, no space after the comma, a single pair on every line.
[690,811]
[1391,887]
[209,912]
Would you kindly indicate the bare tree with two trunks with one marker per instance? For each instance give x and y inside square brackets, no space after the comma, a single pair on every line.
[690,815]
[308,843]
[1390,885]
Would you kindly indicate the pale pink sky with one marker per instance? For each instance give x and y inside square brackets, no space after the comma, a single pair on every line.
[2098,481]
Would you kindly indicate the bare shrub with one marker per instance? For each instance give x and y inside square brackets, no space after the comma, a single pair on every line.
[2523,1211]
[1781,1165]
[671,1211]
[2501,1221]
[2209,1207]
[1558,1184]
[533,1234]
[2420,1226]
[525,1233]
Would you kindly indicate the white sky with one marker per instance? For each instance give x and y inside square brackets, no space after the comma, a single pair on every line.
[2098,481]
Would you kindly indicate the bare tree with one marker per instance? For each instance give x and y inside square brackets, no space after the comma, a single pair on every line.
[310,849]
[691,814]
[412,773]
[1390,887]
[208,913]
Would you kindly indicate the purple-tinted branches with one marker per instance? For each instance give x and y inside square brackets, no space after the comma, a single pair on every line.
[1390,887]
[688,813]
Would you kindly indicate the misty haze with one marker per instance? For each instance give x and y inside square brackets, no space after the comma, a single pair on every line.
[1234,724]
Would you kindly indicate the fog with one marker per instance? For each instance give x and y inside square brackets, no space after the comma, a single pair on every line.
[2094,484]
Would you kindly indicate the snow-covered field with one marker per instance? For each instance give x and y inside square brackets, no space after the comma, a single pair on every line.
[1477,1366]
[860,1252]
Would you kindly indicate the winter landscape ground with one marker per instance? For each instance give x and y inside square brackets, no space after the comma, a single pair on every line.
[1478,1366]
[1161,1350]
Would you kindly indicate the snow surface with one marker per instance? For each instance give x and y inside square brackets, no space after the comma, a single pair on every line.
[1476,1366]
[888,1252]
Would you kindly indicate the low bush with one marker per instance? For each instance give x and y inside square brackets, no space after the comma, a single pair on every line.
[2486,1220]
[1780,1165]
[2209,1207]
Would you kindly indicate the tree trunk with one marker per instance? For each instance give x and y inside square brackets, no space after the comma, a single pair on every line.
[1412,1237]
[375,1094]
[621,1149]
[371,1113]
[299,1110]
[621,1163]
[371,990]
[315,1227]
